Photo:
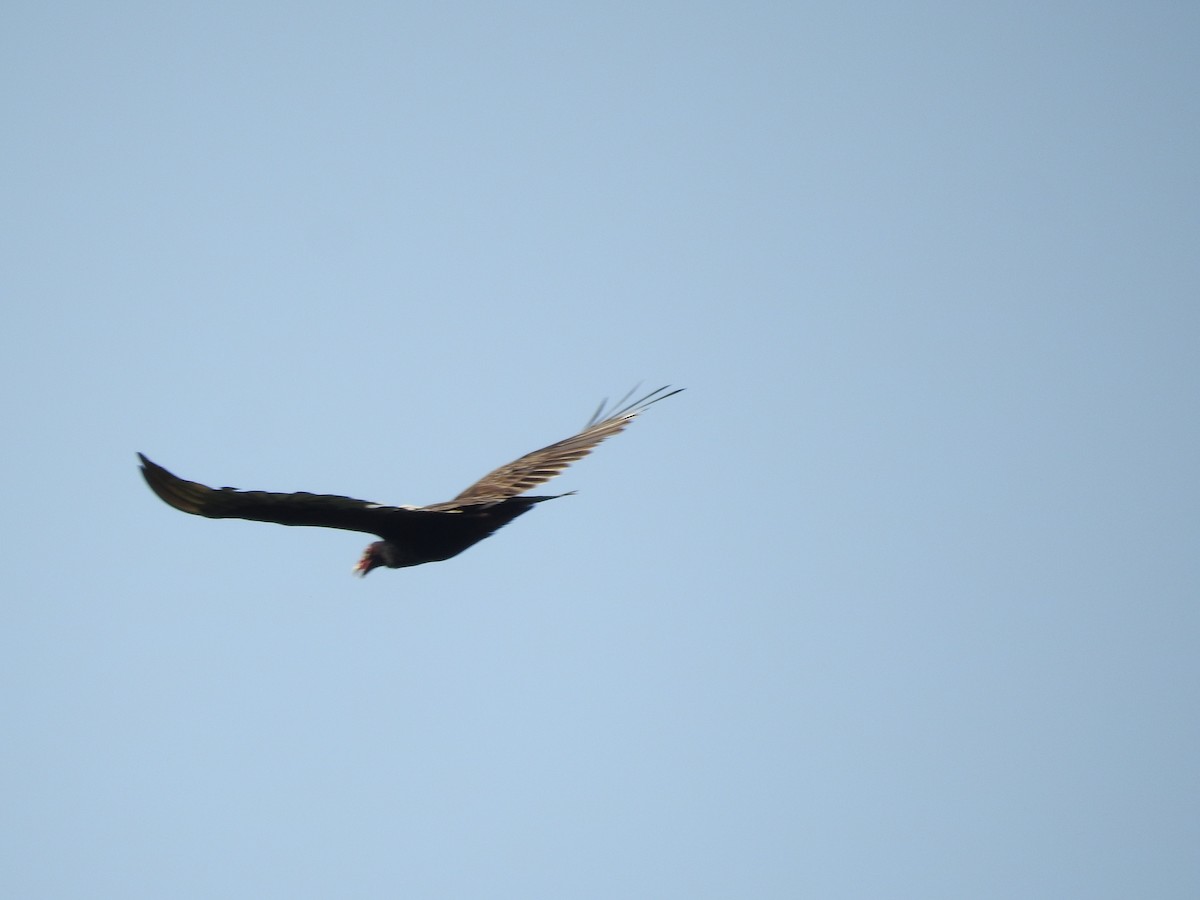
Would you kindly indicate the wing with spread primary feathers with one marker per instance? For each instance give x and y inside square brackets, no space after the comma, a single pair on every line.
[540,466]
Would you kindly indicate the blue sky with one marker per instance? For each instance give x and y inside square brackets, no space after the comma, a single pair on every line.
[898,599]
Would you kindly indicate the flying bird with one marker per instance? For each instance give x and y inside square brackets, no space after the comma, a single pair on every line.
[410,535]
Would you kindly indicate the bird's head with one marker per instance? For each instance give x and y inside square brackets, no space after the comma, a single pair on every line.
[372,558]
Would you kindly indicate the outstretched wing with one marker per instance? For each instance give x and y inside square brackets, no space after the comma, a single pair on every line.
[540,466]
[302,508]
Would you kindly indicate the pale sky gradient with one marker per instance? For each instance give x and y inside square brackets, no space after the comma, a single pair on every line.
[898,600]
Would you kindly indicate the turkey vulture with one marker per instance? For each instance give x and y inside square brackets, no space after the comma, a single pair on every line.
[411,535]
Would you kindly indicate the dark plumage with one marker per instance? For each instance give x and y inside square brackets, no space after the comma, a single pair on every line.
[410,535]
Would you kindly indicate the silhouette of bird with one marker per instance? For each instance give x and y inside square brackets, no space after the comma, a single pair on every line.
[410,535]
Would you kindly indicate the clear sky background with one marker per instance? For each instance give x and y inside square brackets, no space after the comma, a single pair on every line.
[898,599]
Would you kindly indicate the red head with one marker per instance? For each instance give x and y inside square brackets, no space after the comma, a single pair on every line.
[372,557]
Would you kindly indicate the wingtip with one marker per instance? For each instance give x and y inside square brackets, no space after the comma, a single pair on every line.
[623,408]
[148,466]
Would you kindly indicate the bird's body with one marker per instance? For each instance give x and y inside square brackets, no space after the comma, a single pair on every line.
[409,535]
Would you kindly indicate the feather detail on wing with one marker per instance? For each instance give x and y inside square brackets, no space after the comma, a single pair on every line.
[541,465]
